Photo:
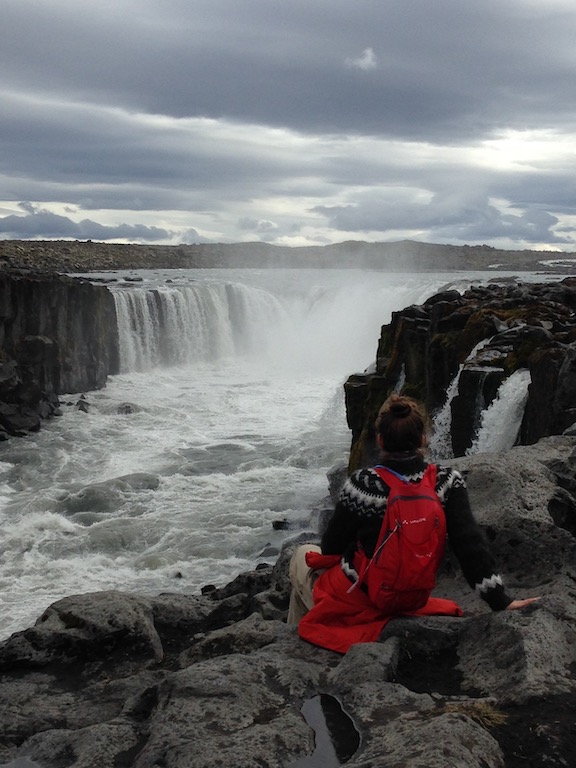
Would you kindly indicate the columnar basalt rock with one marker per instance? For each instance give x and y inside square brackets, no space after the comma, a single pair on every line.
[488,332]
[57,335]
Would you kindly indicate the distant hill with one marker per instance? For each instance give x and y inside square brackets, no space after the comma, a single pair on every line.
[402,256]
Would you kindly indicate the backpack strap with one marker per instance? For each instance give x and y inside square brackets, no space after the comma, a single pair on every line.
[386,474]
[394,479]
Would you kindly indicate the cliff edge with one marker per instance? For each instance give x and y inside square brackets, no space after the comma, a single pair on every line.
[57,335]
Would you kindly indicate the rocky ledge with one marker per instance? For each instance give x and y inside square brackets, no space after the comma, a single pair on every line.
[484,335]
[218,679]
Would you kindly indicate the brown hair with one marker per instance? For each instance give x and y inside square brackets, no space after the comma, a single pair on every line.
[401,424]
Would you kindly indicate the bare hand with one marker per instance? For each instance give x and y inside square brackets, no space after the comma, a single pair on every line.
[519,604]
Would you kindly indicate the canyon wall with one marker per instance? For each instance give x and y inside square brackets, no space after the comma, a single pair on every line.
[57,335]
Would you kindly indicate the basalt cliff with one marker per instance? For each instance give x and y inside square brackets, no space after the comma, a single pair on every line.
[483,335]
[57,335]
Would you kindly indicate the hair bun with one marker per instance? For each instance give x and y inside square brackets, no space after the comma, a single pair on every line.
[401,409]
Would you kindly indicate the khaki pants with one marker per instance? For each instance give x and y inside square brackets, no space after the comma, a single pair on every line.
[302,579]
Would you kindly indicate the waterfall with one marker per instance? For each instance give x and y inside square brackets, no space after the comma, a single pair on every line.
[440,441]
[401,380]
[175,325]
[502,419]
[291,323]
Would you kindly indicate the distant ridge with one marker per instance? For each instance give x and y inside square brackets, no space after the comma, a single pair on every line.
[401,256]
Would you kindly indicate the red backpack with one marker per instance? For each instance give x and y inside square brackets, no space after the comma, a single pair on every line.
[402,571]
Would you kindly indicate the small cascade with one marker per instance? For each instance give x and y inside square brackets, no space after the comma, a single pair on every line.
[401,380]
[440,443]
[501,421]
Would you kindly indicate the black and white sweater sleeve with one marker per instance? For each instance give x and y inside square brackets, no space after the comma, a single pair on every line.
[468,541]
[358,515]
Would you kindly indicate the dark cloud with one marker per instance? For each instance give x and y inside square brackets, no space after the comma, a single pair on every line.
[289,120]
[43,224]
[442,69]
[531,227]
[458,218]
[258,226]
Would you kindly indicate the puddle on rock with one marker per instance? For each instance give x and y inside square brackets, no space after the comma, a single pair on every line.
[337,738]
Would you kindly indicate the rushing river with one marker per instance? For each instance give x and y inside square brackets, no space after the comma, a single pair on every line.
[226,416]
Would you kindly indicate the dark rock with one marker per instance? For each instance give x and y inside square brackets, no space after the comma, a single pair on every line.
[74,629]
[57,334]
[18,420]
[61,330]
[127,408]
[524,326]
[112,679]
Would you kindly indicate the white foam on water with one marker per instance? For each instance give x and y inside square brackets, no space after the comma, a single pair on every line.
[501,421]
[440,441]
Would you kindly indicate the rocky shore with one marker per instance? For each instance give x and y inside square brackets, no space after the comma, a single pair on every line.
[219,679]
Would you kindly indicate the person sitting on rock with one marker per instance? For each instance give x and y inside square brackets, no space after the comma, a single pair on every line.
[329,599]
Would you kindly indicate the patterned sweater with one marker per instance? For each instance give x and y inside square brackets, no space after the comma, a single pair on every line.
[360,510]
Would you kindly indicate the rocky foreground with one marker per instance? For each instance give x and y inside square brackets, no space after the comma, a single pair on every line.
[219,679]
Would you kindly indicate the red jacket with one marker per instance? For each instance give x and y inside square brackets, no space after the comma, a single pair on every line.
[340,617]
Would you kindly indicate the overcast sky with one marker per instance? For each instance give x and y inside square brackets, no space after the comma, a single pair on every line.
[289,121]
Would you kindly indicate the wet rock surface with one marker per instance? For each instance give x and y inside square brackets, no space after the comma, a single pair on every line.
[114,679]
[485,335]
